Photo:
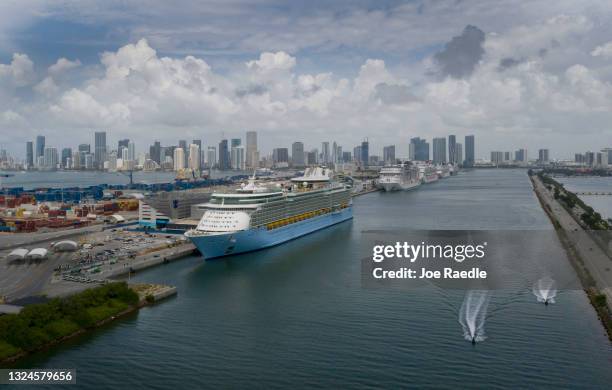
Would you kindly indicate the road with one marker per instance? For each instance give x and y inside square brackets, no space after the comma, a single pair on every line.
[596,260]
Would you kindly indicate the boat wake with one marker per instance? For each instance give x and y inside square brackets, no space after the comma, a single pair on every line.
[472,315]
[545,290]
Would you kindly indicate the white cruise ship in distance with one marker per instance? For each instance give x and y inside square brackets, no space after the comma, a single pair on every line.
[427,172]
[399,177]
[256,217]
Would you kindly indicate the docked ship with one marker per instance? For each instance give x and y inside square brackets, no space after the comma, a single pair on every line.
[256,216]
[427,173]
[399,177]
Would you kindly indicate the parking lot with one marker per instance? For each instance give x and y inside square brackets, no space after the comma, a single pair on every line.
[99,254]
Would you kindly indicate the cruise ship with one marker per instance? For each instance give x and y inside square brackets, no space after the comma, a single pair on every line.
[399,177]
[257,216]
[427,173]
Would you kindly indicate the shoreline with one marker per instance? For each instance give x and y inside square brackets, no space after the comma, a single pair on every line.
[147,298]
[581,267]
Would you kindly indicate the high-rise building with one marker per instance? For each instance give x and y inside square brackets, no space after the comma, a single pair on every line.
[497,157]
[420,149]
[543,156]
[99,149]
[40,147]
[131,151]
[50,158]
[459,153]
[183,145]
[194,157]
[122,144]
[30,154]
[235,142]
[280,155]
[589,158]
[297,154]
[365,152]
[179,159]
[520,156]
[469,151]
[224,155]
[389,154]
[439,150]
[211,157]
[357,154]
[155,152]
[452,149]
[311,157]
[346,157]
[66,154]
[325,157]
[252,155]
[334,153]
[237,156]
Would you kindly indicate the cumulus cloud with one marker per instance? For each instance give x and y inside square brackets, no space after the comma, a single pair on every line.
[604,51]
[62,65]
[533,83]
[461,55]
[19,72]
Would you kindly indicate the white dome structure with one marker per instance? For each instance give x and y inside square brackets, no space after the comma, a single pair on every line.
[65,246]
[17,254]
[37,254]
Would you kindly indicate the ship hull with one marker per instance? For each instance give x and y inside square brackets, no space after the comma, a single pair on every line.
[388,187]
[221,245]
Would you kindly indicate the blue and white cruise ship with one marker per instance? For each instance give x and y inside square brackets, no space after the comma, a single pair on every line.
[256,217]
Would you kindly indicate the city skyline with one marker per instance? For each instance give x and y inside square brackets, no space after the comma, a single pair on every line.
[532,74]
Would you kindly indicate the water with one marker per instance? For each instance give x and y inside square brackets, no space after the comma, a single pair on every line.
[545,290]
[297,315]
[34,179]
[601,204]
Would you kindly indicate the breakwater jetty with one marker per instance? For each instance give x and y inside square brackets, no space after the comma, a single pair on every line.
[591,261]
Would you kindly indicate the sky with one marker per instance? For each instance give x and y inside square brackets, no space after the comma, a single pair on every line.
[516,74]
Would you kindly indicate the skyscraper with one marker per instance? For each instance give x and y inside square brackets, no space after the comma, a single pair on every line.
[389,154]
[252,156]
[179,159]
[224,156]
[325,153]
[211,157]
[365,152]
[297,154]
[66,154]
[99,149]
[469,151]
[30,154]
[237,156]
[235,142]
[280,156]
[122,144]
[50,158]
[183,145]
[543,156]
[421,149]
[452,149]
[194,157]
[40,147]
[155,152]
[459,153]
[439,150]
[131,151]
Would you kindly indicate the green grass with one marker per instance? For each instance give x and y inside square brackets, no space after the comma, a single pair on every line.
[7,350]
